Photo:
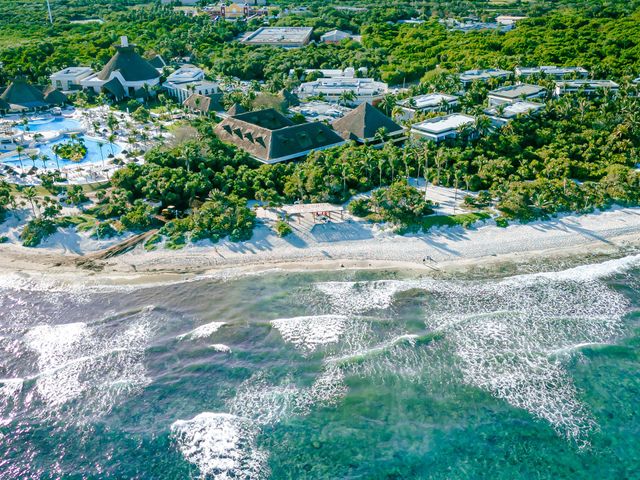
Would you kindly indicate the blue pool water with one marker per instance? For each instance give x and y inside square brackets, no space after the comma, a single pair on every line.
[53,124]
[60,124]
[93,154]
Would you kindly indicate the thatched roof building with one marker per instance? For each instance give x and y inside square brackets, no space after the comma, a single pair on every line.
[362,124]
[204,104]
[270,137]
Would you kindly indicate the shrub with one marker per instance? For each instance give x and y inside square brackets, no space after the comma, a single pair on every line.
[138,217]
[104,230]
[76,195]
[360,207]
[36,231]
[283,228]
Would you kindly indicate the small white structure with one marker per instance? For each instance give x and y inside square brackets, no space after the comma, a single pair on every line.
[335,36]
[471,76]
[637,81]
[502,114]
[589,87]
[70,78]
[552,71]
[333,88]
[320,111]
[431,102]
[348,72]
[441,128]
[188,80]
[509,19]
[288,37]
[514,93]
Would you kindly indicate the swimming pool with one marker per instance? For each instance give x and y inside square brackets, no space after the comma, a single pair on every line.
[94,154]
[55,124]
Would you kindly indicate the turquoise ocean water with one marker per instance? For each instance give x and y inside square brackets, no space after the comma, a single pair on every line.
[342,375]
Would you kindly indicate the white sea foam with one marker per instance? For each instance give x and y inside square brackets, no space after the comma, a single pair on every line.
[219,347]
[307,333]
[511,336]
[203,331]
[266,403]
[76,360]
[360,297]
[10,389]
[222,446]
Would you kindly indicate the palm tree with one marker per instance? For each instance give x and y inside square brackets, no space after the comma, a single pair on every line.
[31,194]
[387,103]
[346,97]
[55,150]
[19,150]
[33,157]
[111,138]
[380,135]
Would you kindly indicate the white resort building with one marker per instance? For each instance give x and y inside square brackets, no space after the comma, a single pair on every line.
[127,74]
[441,128]
[514,93]
[589,87]
[471,76]
[71,78]
[431,102]
[552,71]
[188,80]
[288,37]
[332,89]
[335,36]
[502,114]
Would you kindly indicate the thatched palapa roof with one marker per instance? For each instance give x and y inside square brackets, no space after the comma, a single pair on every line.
[363,122]
[22,95]
[270,137]
[204,103]
[130,64]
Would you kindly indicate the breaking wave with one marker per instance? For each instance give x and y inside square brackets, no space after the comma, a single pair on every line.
[203,331]
[512,337]
[221,445]
[307,333]
[97,363]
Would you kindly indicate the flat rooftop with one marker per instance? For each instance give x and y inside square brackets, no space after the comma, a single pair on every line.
[427,101]
[517,91]
[444,124]
[550,70]
[471,75]
[588,83]
[515,109]
[74,71]
[279,36]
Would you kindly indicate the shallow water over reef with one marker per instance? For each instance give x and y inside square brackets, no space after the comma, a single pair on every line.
[324,375]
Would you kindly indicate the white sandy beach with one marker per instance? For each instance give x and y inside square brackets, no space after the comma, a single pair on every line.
[350,245]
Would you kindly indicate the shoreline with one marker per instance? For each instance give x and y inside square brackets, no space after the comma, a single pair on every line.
[594,237]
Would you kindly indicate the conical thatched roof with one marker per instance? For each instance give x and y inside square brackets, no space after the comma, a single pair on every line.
[115,88]
[157,62]
[204,103]
[22,94]
[236,109]
[363,123]
[54,97]
[131,66]
[290,99]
